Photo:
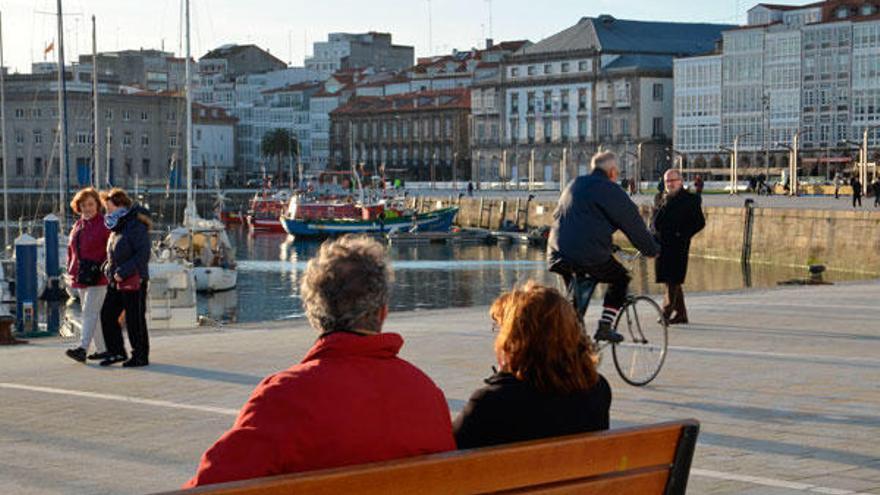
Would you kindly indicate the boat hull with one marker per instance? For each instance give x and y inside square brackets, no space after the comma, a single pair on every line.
[435,221]
[264,224]
[214,279]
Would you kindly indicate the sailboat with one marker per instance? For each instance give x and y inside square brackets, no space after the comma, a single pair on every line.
[201,242]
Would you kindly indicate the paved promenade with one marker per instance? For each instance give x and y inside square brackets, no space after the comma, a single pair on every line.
[786,383]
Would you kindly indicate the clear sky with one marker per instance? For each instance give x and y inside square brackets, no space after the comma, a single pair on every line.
[288,27]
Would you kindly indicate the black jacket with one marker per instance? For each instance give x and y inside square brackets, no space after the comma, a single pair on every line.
[590,210]
[510,410]
[128,249]
[678,218]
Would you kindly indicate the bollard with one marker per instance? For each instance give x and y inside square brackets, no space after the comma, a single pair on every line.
[26,284]
[53,291]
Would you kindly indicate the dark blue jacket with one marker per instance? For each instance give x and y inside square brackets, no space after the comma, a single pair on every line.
[590,210]
[128,249]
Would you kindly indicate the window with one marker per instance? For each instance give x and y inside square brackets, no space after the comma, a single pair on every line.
[564,129]
[19,166]
[531,70]
[565,67]
[126,115]
[128,167]
[624,127]
[145,116]
[658,126]
[530,102]
[145,140]
[604,128]
[548,68]
[582,99]
[145,167]
[198,134]
[582,129]
[514,72]
[19,137]
[82,138]
[563,100]
[19,113]
[108,114]
[38,136]
[548,130]
[514,103]
[172,116]
[583,66]
[126,138]
[548,101]
[658,92]
[531,131]
[38,166]
[172,140]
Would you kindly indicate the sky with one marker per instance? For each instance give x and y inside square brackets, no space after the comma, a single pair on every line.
[289,27]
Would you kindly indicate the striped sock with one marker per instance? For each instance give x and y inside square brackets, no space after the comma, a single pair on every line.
[609,314]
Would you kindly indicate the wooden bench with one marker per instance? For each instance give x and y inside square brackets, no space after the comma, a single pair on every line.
[644,460]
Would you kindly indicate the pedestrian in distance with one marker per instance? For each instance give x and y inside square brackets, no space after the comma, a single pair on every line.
[838,181]
[677,220]
[470,189]
[351,400]
[546,385]
[127,270]
[86,252]
[876,187]
[856,186]
[698,185]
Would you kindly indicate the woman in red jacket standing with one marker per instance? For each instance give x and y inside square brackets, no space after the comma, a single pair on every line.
[86,252]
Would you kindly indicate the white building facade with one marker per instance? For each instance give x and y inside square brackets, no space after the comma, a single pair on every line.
[812,70]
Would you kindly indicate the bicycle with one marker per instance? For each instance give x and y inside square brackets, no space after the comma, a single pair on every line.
[640,356]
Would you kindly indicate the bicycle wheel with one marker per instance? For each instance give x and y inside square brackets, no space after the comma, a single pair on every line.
[640,356]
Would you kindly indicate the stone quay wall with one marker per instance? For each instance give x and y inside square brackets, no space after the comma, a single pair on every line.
[840,240]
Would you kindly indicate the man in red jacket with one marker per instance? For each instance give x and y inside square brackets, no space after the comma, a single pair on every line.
[351,400]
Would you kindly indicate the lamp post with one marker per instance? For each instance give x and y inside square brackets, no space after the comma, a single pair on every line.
[734,162]
[864,158]
[454,166]
[792,162]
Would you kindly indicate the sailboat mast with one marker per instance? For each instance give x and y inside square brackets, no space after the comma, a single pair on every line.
[190,204]
[3,138]
[62,114]
[96,178]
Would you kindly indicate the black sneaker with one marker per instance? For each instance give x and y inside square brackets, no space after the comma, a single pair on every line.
[78,354]
[113,359]
[135,363]
[98,356]
[606,334]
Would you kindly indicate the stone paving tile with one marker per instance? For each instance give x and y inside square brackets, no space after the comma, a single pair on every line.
[801,416]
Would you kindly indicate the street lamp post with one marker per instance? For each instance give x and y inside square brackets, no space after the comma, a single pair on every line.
[734,163]
[563,165]
[454,166]
[433,171]
[531,168]
[792,163]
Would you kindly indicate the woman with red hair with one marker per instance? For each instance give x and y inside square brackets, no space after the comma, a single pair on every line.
[547,384]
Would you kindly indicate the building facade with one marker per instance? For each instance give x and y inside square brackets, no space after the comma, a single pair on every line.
[344,51]
[809,70]
[152,70]
[142,138]
[420,136]
[213,147]
[231,61]
[603,83]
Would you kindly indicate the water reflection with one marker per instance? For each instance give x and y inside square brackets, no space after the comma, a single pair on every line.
[437,276]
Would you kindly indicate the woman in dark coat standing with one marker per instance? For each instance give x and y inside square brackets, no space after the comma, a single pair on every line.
[547,384]
[127,269]
[679,217]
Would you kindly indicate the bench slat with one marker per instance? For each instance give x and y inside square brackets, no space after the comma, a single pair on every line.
[637,450]
[652,480]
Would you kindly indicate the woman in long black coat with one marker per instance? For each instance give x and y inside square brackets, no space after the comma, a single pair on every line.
[679,217]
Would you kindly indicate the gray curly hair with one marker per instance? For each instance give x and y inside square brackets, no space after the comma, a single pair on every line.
[346,285]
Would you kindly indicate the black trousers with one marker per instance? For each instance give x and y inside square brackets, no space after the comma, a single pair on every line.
[134,303]
[612,273]
[857,198]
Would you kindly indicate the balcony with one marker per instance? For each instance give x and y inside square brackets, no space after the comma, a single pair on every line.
[603,103]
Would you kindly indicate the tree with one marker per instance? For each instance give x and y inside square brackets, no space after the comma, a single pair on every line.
[276,144]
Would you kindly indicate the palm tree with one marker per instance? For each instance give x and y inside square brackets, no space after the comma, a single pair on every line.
[276,143]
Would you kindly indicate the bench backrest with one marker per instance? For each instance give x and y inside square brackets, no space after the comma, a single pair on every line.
[645,460]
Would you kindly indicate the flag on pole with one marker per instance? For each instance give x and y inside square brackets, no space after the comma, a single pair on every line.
[49,47]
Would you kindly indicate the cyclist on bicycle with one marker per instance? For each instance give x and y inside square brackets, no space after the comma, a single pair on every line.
[590,210]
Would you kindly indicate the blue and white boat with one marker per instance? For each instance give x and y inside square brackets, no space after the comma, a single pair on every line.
[433,221]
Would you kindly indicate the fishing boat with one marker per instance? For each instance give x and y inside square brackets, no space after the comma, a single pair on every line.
[373,220]
[265,208]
